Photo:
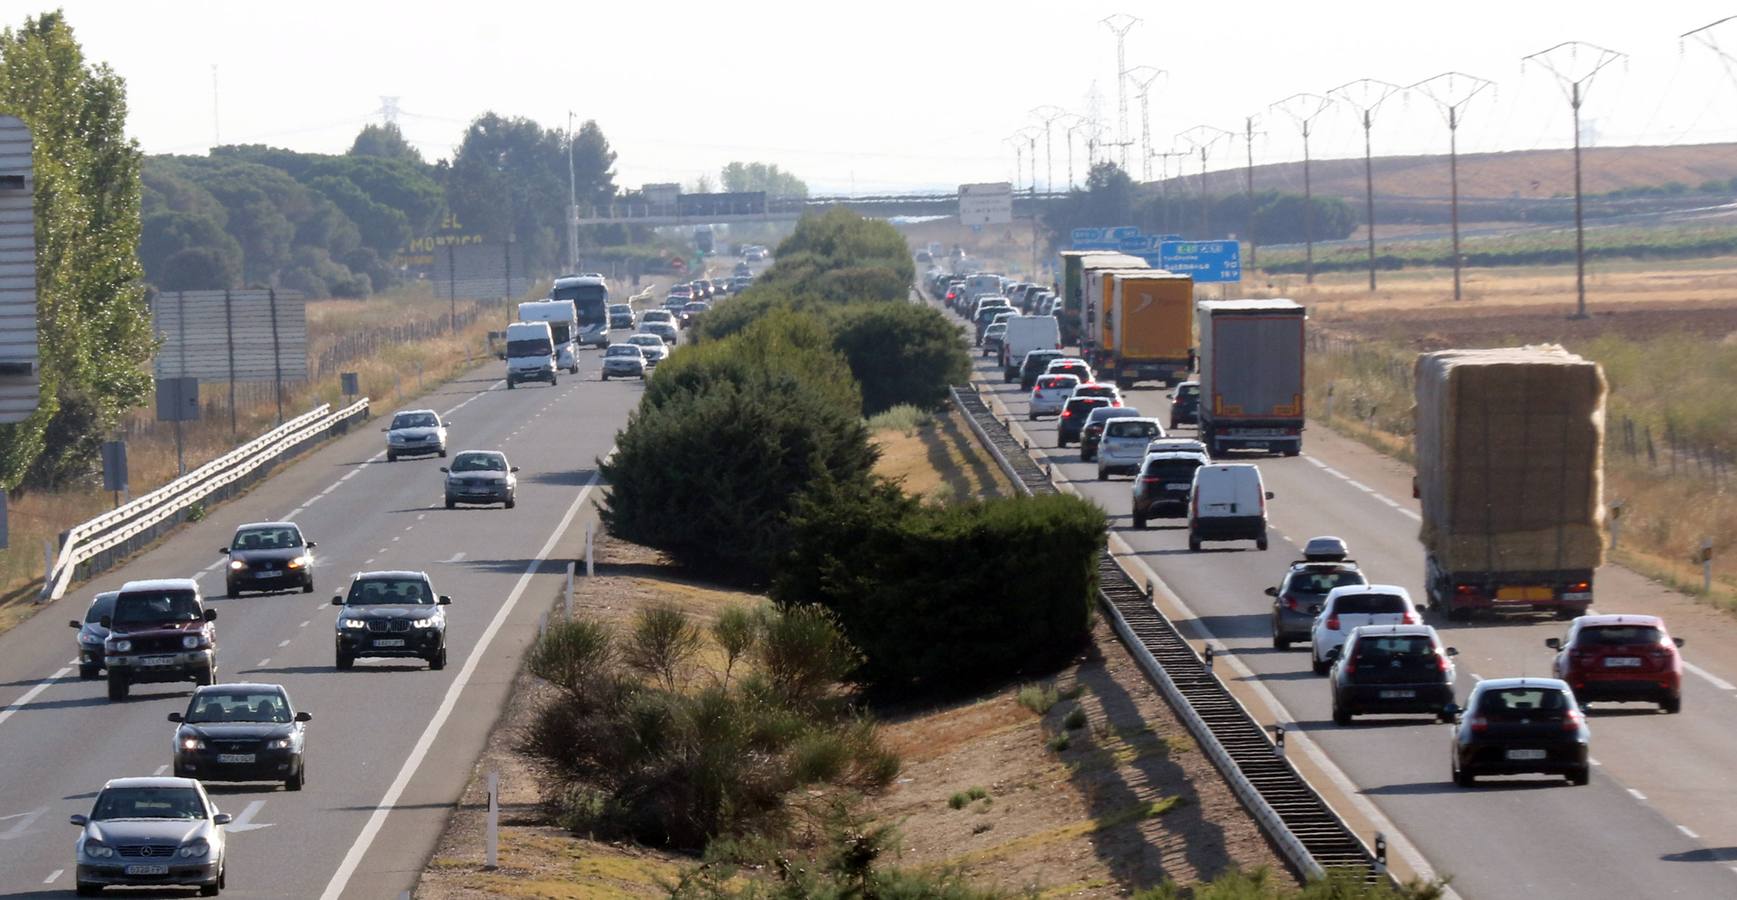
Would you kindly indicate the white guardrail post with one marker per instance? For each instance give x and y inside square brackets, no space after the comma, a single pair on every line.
[114,528]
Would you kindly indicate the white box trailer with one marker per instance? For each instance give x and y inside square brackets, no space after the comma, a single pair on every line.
[563,322]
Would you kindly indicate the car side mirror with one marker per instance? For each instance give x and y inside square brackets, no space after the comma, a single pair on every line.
[1269,495]
[76,623]
[1677,641]
[211,615]
[222,551]
[312,544]
[1335,653]
[1452,711]
[175,717]
[1553,643]
[79,820]
[385,429]
[445,600]
[1451,651]
[304,717]
[337,600]
[222,819]
[1272,592]
[514,469]
[442,468]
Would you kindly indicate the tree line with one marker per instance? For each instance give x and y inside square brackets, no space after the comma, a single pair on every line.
[1111,198]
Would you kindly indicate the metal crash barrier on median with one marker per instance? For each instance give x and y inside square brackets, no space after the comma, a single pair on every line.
[94,546]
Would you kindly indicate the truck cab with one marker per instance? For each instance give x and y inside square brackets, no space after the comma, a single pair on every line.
[563,322]
[530,353]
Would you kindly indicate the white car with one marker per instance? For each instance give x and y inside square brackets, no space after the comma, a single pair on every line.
[624,361]
[1051,393]
[1351,607]
[655,349]
[1123,446]
[415,432]
[1072,365]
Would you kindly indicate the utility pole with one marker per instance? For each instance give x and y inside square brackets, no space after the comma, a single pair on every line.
[1202,138]
[1574,75]
[216,129]
[1451,91]
[1079,122]
[1303,108]
[1706,38]
[1365,95]
[572,203]
[1248,138]
[1119,24]
[1018,155]
[1143,76]
[1164,158]
[1048,116]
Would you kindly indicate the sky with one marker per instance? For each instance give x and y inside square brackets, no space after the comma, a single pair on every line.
[895,95]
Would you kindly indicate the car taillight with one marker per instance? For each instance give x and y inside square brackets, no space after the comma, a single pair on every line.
[1571,721]
[1150,480]
[1067,413]
[1478,724]
[1580,587]
[1350,664]
[1290,601]
[1333,623]
[1410,618]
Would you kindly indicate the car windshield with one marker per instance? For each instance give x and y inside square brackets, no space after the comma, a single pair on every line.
[645,340]
[1177,470]
[1131,430]
[390,591]
[415,420]
[623,350]
[1616,635]
[148,607]
[103,605]
[280,537]
[239,706]
[1388,648]
[148,803]
[479,462]
[1322,582]
[620,308]
[1523,703]
[1188,390]
[1096,390]
[657,315]
[1058,381]
[1369,604]
[533,347]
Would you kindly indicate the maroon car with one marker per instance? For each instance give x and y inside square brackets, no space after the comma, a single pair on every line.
[159,631]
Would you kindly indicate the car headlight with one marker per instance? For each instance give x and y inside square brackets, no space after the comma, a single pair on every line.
[300,562]
[193,641]
[237,565]
[423,623]
[192,744]
[96,849]
[278,744]
[395,438]
[198,849]
[120,646]
[355,623]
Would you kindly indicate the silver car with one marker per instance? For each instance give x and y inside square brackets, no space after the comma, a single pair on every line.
[415,432]
[157,832]
[481,476]
[663,328]
[655,349]
[1123,446]
[623,361]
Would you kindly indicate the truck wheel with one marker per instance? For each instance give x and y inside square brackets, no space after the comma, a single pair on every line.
[1459,613]
[118,687]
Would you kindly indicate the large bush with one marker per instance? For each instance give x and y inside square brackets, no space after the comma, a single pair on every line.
[901,353]
[782,350]
[943,596]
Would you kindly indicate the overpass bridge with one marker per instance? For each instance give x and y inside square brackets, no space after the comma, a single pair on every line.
[744,209]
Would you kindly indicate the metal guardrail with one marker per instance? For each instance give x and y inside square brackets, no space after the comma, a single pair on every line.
[92,546]
[1311,834]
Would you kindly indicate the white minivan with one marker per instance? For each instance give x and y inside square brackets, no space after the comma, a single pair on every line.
[1228,502]
[530,353]
[1025,334]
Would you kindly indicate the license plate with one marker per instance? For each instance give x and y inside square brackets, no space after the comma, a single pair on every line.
[267,573]
[147,870]
[1525,594]
[236,757]
[157,661]
[1621,662]
[1521,755]
[1179,486]
[1398,695]
[389,642]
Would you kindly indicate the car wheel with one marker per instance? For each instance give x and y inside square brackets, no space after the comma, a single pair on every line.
[438,660]
[443,453]
[210,890]
[510,503]
[1463,778]
[88,890]
[391,457]
[603,377]
[1193,544]
[509,384]
[88,672]
[553,381]
[1670,704]
[450,504]
[1315,663]
[208,676]
[345,660]
[1580,777]
[308,586]
[1139,521]
[1340,716]
[1103,475]
[118,687]
[1261,542]
[294,782]
[1280,643]
[1031,416]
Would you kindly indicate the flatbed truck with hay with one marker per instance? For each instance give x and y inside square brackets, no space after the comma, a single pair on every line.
[1510,449]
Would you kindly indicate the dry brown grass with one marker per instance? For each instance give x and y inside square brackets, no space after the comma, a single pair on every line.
[940,461]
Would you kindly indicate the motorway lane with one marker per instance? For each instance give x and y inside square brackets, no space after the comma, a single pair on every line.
[1610,838]
[61,745]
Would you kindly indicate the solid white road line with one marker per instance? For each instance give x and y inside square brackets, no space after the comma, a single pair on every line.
[1636,794]
[1712,679]
[1685,829]
[31,694]
[364,840]
[52,876]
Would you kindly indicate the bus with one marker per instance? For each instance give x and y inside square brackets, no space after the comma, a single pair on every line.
[589,295]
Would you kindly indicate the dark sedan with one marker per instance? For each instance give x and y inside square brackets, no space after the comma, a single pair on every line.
[269,556]
[91,634]
[242,732]
[1185,404]
[1393,669]
[391,614]
[1514,726]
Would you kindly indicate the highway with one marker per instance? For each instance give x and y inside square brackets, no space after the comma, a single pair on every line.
[1657,819]
[390,745]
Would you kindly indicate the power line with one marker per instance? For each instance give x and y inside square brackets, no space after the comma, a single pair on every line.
[1143,76]
[1303,108]
[1451,91]
[1119,24]
[1203,138]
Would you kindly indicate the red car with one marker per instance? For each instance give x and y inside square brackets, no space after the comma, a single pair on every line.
[1620,658]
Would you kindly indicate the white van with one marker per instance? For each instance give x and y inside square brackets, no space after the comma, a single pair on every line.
[979,284]
[1227,502]
[530,353]
[563,322]
[1025,334]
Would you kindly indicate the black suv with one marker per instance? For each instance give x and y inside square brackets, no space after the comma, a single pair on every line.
[1073,418]
[391,614]
[1034,364]
[1162,487]
[1393,669]
[1185,404]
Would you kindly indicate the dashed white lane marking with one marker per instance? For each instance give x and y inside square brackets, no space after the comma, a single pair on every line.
[162,769]
[396,538]
[303,625]
[1636,794]
[1685,830]
[1712,679]
[285,641]
[421,516]
[30,695]
[352,473]
[1593,762]
[407,528]
[381,550]
[290,516]
[263,663]
[368,562]
[52,876]
[1411,514]
[1477,677]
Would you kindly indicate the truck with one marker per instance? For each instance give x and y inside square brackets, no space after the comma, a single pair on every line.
[1095,337]
[1251,375]
[589,294]
[982,284]
[1510,456]
[1151,334]
[563,322]
[1073,266]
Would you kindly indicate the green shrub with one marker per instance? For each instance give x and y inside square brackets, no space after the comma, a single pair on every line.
[662,644]
[904,418]
[948,595]
[785,351]
[977,793]
[1038,698]
[1060,742]
[1076,719]
[901,353]
[958,801]
[803,653]
[734,632]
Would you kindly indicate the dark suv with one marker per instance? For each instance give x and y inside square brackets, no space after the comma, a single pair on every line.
[1185,404]
[391,614]
[1162,487]
[1034,364]
[1073,418]
[159,631]
[1393,669]
[1298,598]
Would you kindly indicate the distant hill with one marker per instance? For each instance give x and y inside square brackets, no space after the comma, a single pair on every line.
[1526,174]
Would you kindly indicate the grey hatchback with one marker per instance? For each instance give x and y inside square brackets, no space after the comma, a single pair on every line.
[1298,598]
